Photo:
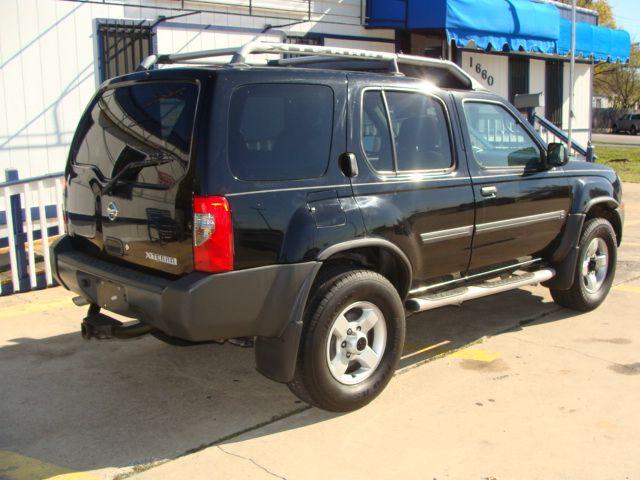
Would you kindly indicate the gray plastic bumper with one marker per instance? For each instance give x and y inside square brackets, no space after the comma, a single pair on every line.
[197,307]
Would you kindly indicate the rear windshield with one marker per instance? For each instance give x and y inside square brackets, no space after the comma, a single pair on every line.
[148,121]
[280,131]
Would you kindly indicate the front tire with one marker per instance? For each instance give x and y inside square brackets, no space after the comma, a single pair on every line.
[352,341]
[595,269]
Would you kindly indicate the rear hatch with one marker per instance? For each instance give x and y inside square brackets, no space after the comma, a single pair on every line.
[130,176]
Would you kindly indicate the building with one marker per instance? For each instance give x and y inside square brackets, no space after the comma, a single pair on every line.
[510,46]
[54,53]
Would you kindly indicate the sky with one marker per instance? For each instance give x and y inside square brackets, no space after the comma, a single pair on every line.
[627,15]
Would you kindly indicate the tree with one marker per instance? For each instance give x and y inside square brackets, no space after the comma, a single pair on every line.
[605,12]
[620,83]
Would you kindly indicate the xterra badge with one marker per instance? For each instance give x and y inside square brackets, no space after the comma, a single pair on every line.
[156,257]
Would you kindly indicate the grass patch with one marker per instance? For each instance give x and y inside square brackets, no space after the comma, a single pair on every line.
[625,161]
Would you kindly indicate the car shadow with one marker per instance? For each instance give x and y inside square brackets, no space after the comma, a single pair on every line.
[112,404]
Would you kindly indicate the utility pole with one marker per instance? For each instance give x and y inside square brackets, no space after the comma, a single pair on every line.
[572,72]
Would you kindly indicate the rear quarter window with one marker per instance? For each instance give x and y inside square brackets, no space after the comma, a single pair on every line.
[280,131]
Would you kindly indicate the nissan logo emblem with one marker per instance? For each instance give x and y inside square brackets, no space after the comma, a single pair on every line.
[112,211]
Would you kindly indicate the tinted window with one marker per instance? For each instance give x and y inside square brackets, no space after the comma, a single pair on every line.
[144,121]
[497,138]
[420,132]
[280,131]
[376,139]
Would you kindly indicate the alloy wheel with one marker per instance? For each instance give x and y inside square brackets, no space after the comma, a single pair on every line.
[595,265]
[356,343]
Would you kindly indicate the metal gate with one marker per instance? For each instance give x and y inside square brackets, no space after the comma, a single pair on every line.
[554,70]
[518,76]
[122,45]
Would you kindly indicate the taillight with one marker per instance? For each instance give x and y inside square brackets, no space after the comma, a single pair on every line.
[212,234]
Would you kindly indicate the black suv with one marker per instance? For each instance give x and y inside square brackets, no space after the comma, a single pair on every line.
[308,206]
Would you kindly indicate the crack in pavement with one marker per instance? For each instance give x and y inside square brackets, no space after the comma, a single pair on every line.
[265,469]
[628,280]
[569,349]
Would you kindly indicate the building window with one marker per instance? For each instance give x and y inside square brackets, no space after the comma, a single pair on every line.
[122,45]
[303,41]
[518,76]
[306,40]
[554,78]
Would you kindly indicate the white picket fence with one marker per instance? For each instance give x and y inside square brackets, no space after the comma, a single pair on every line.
[38,193]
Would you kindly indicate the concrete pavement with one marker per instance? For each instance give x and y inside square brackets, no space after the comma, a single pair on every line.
[509,386]
[617,139]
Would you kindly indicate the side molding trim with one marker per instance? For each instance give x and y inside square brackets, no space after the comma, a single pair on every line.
[520,221]
[451,233]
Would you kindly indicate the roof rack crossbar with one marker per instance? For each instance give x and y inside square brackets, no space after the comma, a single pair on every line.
[240,54]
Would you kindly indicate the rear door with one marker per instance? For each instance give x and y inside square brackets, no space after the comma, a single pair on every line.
[130,176]
[413,186]
[520,208]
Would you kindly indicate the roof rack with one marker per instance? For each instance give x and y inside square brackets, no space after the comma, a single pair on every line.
[313,53]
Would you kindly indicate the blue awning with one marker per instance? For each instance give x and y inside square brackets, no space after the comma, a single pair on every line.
[490,24]
[601,43]
[502,25]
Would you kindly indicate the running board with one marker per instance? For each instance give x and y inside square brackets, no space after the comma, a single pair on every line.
[459,295]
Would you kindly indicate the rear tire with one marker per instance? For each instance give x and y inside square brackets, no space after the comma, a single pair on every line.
[633,130]
[595,269]
[352,341]
[615,129]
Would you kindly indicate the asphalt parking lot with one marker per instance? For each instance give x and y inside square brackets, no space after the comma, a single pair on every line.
[616,139]
[509,386]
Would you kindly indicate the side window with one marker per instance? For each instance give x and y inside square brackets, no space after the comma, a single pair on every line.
[420,132]
[280,131]
[376,139]
[497,138]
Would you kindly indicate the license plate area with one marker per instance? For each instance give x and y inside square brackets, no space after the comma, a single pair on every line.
[104,293]
[111,296]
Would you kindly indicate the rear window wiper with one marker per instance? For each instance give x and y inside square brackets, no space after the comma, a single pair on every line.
[150,162]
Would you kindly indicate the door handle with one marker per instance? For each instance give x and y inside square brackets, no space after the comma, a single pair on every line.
[490,192]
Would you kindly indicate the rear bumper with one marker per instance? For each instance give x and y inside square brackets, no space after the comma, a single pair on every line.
[197,307]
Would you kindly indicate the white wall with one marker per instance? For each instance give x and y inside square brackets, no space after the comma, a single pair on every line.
[582,101]
[496,68]
[367,45]
[492,71]
[537,77]
[49,69]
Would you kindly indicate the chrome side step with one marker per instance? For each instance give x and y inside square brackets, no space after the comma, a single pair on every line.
[429,302]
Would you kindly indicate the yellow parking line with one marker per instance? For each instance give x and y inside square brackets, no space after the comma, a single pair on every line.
[14,466]
[73,476]
[476,354]
[34,307]
[627,288]
[425,349]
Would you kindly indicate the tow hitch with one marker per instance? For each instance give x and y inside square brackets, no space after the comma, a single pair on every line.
[102,327]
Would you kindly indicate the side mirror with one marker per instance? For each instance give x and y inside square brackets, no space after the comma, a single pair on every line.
[349,164]
[557,155]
